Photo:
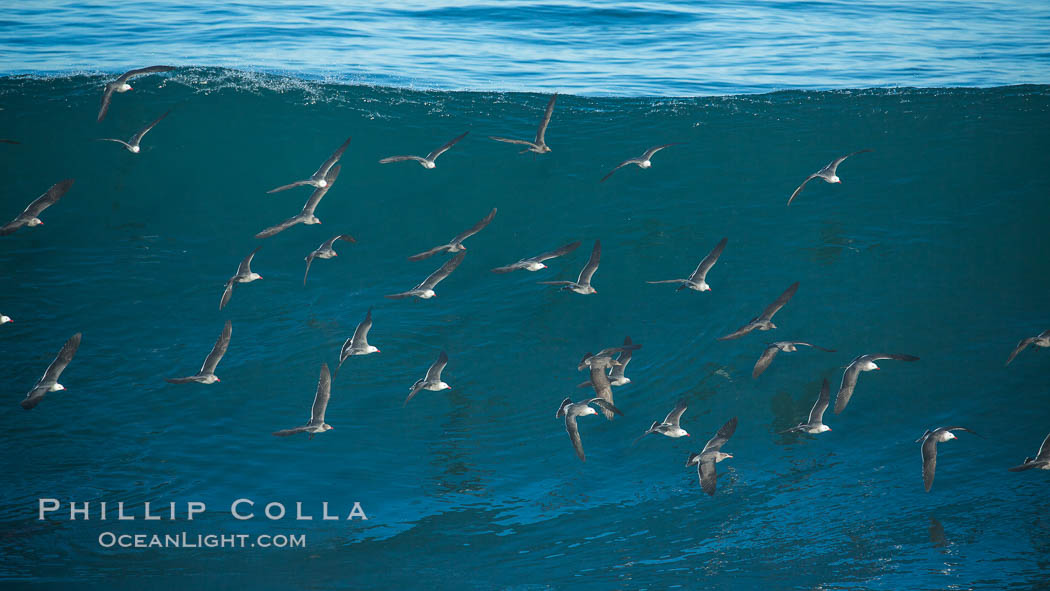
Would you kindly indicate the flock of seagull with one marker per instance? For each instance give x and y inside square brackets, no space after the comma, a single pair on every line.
[606,368]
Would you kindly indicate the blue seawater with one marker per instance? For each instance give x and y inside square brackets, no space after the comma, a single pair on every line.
[935,244]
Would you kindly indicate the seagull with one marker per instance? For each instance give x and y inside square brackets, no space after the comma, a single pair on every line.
[815,424]
[1041,461]
[862,363]
[358,344]
[306,216]
[1043,340]
[427,162]
[456,245]
[583,284]
[432,381]
[773,348]
[316,424]
[642,161]
[698,280]
[536,263]
[207,373]
[121,85]
[133,144]
[570,410]
[616,377]
[929,440]
[670,427]
[828,173]
[705,460]
[603,359]
[29,216]
[425,290]
[49,382]
[325,251]
[764,322]
[602,388]
[244,275]
[538,145]
[5,319]
[318,179]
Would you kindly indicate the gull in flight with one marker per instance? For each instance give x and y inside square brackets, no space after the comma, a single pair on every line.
[642,161]
[306,216]
[49,381]
[698,280]
[712,454]
[670,425]
[425,290]
[207,373]
[121,85]
[1041,460]
[815,423]
[456,244]
[570,410]
[358,344]
[536,263]
[773,348]
[316,424]
[432,381]
[318,179]
[1043,340]
[828,173]
[583,284]
[244,275]
[325,251]
[862,363]
[765,320]
[427,162]
[29,216]
[929,440]
[133,144]
[538,145]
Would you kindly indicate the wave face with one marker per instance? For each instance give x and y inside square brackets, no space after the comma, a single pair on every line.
[590,47]
[934,245]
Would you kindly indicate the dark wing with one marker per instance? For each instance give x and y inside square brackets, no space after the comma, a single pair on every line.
[398,296]
[426,254]
[281,227]
[511,141]
[897,356]
[413,391]
[564,250]
[721,437]
[245,267]
[743,330]
[592,264]
[835,163]
[139,72]
[434,373]
[1044,450]
[649,153]
[476,228]
[708,476]
[107,96]
[605,405]
[618,167]
[764,361]
[602,388]
[622,359]
[319,193]
[135,139]
[799,189]
[61,361]
[289,186]
[218,350]
[675,415]
[288,432]
[361,333]
[309,261]
[49,198]
[561,407]
[709,261]
[542,130]
[1020,347]
[226,293]
[849,382]
[574,435]
[181,380]
[433,155]
[324,392]
[773,308]
[812,345]
[390,159]
[10,227]
[929,461]
[437,276]
[508,268]
[816,414]
[322,172]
